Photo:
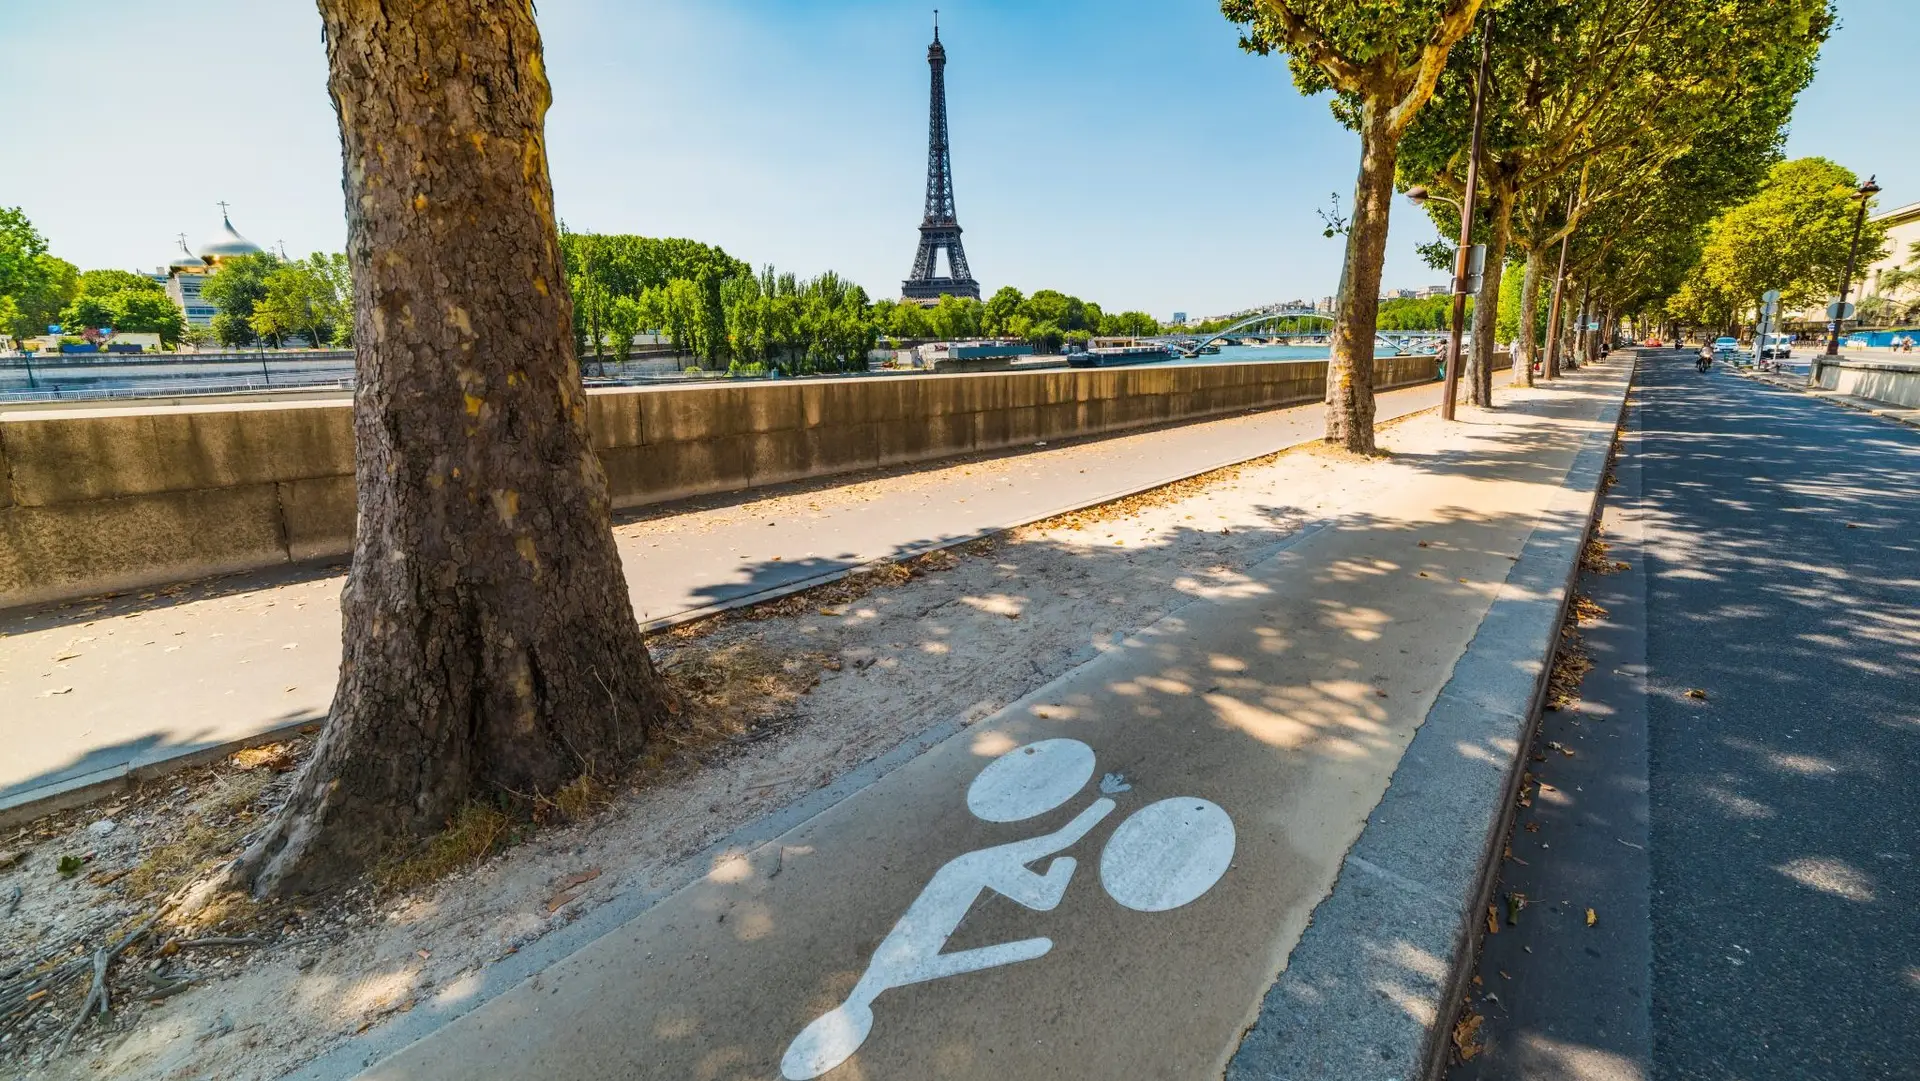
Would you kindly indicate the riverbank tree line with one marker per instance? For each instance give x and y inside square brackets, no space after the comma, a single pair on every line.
[721,313]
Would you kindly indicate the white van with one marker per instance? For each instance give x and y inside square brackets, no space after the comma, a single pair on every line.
[1779,346]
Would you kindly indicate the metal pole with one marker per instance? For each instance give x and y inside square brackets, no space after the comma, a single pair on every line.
[1580,332]
[1452,388]
[1860,220]
[1549,369]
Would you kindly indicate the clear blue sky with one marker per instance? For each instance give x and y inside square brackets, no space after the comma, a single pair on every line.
[1123,150]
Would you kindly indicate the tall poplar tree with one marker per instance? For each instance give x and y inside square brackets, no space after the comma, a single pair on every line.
[490,645]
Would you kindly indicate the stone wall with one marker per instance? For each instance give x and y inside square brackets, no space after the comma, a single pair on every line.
[1891,381]
[98,500]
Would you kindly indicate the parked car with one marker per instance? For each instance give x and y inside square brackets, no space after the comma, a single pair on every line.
[1779,346]
[1725,347]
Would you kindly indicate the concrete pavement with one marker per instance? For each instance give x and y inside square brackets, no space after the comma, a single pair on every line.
[1750,851]
[1105,879]
[102,690]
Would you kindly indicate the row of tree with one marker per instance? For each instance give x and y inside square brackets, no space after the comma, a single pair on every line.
[722,313]
[1613,132]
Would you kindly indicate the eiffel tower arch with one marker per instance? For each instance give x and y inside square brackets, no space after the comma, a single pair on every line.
[940,228]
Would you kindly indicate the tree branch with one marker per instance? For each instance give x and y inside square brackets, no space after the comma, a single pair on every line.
[1308,43]
[1454,24]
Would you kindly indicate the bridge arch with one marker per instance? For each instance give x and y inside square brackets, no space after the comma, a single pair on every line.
[1193,349]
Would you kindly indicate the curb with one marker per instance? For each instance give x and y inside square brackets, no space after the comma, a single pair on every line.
[78,791]
[88,788]
[1370,991]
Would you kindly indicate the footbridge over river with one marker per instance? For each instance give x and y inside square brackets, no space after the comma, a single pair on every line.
[1265,325]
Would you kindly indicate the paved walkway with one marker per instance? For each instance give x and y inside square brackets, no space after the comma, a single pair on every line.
[1104,879]
[95,690]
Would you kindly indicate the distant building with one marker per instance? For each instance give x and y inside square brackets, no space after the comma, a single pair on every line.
[1903,232]
[1180,319]
[188,271]
[1431,291]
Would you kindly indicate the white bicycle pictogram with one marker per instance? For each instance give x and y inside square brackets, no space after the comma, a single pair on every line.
[1161,857]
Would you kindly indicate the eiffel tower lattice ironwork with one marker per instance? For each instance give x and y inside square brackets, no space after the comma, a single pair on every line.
[940,229]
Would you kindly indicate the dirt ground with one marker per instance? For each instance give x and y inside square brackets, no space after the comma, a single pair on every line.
[803,690]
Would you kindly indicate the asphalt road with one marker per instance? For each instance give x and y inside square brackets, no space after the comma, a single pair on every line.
[1751,855]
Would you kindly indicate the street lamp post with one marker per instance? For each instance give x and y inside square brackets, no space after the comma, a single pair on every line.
[1865,195]
[1461,265]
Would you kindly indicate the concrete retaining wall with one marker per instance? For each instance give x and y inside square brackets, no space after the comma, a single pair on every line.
[98,500]
[1893,382]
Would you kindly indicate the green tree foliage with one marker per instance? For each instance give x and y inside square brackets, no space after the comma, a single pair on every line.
[1422,313]
[1593,99]
[34,286]
[39,296]
[234,289]
[99,283]
[311,296]
[1793,235]
[602,268]
[20,243]
[780,323]
[123,301]
[1507,326]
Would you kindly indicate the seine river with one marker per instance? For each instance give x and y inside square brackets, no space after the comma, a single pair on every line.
[1243,353]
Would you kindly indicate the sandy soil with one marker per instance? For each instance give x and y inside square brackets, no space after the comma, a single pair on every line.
[956,640]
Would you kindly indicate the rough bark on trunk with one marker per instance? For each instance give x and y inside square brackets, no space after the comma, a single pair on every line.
[1486,306]
[1355,322]
[1529,301]
[490,645]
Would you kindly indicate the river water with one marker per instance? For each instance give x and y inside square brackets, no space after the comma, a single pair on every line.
[1241,354]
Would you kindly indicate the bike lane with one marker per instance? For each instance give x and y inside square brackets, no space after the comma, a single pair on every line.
[1241,741]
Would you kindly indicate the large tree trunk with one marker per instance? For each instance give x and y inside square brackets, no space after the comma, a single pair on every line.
[490,645]
[1529,303]
[1350,365]
[1486,306]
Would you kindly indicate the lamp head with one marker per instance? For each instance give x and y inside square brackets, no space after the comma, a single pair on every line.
[1869,189]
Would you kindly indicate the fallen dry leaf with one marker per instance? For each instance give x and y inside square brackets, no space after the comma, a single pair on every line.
[1466,1036]
[577,878]
[1695,692]
[1493,920]
[568,888]
[276,757]
[1592,917]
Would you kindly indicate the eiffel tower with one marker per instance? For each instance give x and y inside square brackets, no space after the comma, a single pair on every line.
[939,229]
